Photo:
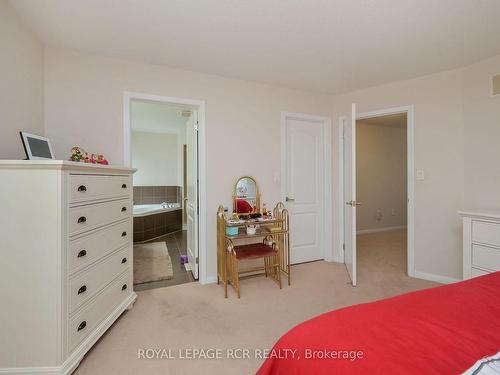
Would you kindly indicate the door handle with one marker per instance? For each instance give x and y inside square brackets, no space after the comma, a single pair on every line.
[353,203]
[289,199]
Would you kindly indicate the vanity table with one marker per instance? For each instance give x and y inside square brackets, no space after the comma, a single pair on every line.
[251,234]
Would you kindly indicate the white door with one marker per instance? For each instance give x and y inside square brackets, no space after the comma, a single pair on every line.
[350,203]
[304,197]
[192,192]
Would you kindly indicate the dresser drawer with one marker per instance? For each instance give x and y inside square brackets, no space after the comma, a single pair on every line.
[86,249]
[477,272]
[85,218]
[85,321]
[86,285]
[487,233]
[486,257]
[91,187]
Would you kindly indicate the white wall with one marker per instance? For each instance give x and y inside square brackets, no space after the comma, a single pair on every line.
[380,176]
[439,142]
[156,157]
[21,77]
[84,104]
[482,136]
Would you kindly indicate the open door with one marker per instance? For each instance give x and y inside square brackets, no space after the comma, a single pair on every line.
[192,192]
[350,194]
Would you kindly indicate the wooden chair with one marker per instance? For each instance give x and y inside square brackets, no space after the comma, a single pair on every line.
[266,250]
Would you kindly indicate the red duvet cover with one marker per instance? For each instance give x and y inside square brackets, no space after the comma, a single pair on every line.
[442,330]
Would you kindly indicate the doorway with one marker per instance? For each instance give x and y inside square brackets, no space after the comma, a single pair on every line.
[381,191]
[306,185]
[376,180]
[157,178]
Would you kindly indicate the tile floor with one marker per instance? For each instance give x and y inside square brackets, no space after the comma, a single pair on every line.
[176,244]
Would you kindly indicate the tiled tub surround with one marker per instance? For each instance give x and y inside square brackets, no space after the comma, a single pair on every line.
[156,225]
[157,194]
[148,227]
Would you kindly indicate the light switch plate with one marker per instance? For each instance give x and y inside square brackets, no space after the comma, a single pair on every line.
[420,175]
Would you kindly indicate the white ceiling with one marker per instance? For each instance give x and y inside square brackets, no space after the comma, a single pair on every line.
[331,46]
[154,117]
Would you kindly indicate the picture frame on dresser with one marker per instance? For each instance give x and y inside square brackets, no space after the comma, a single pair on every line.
[36,147]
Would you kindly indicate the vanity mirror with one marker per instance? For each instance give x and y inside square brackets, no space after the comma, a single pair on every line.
[246,196]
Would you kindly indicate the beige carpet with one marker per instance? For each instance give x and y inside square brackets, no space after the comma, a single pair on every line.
[152,263]
[197,316]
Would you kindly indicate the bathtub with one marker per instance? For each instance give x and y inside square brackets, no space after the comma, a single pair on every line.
[141,210]
[156,220]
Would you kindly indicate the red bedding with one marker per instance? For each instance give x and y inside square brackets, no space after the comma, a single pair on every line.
[442,330]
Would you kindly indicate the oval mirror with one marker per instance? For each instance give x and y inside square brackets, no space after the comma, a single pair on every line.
[246,197]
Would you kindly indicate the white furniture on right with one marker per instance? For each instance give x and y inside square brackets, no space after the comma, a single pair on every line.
[481,243]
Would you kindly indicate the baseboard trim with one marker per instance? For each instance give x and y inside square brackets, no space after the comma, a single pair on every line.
[209,280]
[436,278]
[377,230]
[32,370]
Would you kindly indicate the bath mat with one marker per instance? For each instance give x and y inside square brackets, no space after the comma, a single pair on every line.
[152,263]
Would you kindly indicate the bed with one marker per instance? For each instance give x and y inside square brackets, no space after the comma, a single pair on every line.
[443,330]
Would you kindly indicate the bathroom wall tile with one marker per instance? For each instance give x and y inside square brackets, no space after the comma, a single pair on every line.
[160,191]
[148,200]
[147,191]
[138,236]
[138,224]
[148,223]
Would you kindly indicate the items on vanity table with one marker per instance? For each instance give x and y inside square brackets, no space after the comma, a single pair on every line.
[66,233]
[249,234]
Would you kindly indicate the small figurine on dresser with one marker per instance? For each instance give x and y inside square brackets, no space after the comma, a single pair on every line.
[78,154]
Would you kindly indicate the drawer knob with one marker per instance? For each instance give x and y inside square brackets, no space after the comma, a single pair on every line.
[124,260]
[124,234]
[124,209]
[124,186]
[81,220]
[82,188]
[82,253]
[124,286]
[82,289]
[82,325]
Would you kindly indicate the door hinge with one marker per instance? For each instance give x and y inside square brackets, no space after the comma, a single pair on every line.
[343,246]
[196,125]
[196,260]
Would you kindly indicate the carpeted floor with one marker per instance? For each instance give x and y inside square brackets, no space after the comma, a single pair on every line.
[197,316]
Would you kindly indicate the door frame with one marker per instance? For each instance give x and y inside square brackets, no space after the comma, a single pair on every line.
[410,176]
[326,233]
[128,96]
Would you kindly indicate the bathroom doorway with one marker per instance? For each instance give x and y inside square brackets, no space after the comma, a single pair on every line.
[162,140]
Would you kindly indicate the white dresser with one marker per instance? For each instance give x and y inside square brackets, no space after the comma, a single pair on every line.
[481,242]
[65,261]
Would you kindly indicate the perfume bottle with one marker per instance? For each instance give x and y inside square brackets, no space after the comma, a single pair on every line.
[264,211]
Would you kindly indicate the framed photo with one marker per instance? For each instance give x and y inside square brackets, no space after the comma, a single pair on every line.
[36,146]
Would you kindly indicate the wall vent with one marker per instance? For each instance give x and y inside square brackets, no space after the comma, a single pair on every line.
[495,85]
